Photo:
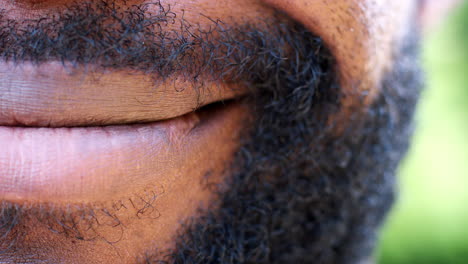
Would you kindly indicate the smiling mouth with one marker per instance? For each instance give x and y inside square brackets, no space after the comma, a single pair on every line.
[70,136]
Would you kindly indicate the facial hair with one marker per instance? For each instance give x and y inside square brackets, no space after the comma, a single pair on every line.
[299,192]
[305,193]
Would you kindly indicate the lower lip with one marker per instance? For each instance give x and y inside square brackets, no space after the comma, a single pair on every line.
[61,164]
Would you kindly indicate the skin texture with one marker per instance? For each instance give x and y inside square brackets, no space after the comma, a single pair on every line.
[360,35]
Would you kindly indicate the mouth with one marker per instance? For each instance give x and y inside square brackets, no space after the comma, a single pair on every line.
[72,135]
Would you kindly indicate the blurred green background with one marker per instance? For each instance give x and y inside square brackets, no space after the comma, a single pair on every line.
[430,221]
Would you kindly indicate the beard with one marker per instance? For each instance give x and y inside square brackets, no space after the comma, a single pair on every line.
[300,189]
[305,193]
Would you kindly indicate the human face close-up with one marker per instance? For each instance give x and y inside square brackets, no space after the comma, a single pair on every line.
[202,131]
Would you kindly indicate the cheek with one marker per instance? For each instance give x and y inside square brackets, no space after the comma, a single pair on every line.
[360,33]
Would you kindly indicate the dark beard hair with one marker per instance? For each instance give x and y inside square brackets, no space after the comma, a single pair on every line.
[306,193]
[150,38]
[301,192]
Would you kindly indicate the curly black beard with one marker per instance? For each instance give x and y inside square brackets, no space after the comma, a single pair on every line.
[306,193]
[302,191]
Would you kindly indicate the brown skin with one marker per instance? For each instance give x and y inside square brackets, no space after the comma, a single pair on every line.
[359,33]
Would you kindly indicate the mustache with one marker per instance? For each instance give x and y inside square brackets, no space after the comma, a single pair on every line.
[150,38]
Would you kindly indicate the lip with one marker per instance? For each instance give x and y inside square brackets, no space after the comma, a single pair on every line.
[57,95]
[89,163]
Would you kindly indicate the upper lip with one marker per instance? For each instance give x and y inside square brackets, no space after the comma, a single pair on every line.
[53,96]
